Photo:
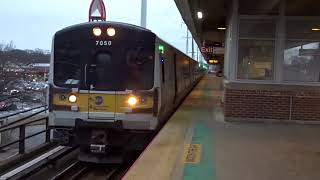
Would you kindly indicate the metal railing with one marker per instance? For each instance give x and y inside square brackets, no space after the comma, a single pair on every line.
[22,134]
[21,124]
[24,118]
[21,112]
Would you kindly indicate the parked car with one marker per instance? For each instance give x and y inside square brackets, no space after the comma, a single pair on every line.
[39,86]
[29,87]
[7,105]
[30,98]
[15,87]
[14,91]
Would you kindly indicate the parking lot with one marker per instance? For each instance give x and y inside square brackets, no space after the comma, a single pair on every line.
[19,95]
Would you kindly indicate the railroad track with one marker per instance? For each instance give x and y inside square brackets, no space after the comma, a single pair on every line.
[79,170]
[73,171]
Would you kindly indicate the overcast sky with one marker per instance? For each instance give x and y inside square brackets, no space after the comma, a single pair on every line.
[31,24]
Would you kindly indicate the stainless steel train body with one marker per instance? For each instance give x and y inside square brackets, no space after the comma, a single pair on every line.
[112,85]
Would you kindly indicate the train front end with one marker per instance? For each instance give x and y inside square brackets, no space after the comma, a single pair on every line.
[102,91]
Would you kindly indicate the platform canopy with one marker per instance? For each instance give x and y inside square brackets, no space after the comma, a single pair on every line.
[215,14]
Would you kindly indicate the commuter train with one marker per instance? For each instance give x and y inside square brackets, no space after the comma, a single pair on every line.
[112,86]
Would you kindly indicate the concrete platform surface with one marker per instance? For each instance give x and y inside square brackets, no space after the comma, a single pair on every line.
[197,143]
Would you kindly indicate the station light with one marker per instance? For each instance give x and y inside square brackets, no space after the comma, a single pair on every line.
[315,29]
[200,15]
[72,98]
[111,31]
[213,61]
[222,28]
[132,101]
[96,31]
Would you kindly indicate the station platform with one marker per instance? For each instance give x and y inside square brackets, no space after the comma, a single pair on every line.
[196,143]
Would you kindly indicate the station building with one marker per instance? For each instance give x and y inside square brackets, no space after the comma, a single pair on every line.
[272,55]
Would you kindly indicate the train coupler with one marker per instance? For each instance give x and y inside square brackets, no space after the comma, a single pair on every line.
[98,141]
[97,148]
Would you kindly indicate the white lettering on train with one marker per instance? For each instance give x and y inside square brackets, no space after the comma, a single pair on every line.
[103,43]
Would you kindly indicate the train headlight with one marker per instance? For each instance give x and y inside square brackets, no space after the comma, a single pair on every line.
[72,98]
[132,101]
[96,31]
[111,31]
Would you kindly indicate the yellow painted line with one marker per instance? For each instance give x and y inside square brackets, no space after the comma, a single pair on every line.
[192,153]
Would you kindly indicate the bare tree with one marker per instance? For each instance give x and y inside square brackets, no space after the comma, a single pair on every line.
[10,57]
[2,44]
[10,46]
[3,66]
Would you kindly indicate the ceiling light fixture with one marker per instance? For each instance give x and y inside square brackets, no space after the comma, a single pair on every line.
[200,15]
[222,28]
[315,29]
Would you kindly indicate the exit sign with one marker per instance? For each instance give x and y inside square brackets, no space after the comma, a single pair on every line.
[212,50]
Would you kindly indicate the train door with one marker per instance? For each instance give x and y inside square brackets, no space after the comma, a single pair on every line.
[101,83]
[175,78]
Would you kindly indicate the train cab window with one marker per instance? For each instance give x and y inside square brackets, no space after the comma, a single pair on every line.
[139,70]
[67,74]
[129,66]
[103,77]
[68,65]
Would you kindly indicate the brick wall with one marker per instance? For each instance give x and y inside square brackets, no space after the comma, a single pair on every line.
[276,102]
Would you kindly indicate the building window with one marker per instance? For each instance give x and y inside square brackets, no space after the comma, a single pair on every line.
[255,59]
[256,49]
[302,52]
[302,61]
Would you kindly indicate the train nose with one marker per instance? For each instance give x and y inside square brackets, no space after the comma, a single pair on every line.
[100,139]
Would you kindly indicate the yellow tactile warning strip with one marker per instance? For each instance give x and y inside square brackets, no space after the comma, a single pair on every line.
[159,160]
[164,158]
[192,153]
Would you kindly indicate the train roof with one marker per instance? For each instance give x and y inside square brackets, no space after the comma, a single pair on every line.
[118,24]
[97,23]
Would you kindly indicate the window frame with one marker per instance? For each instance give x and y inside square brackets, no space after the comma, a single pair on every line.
[257,17]
[280,40]
[285,39]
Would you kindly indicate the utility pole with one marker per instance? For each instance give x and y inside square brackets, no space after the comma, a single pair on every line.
[143,13]
[192,51]
[187,44]
[197,54]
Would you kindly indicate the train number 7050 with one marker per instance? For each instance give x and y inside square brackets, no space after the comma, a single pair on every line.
[103,43]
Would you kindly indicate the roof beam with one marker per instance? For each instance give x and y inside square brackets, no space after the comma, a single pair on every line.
[185,11]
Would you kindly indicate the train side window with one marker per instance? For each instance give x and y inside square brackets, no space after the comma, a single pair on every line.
[163,70]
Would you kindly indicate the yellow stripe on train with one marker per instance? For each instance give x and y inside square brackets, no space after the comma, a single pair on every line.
[96,102]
